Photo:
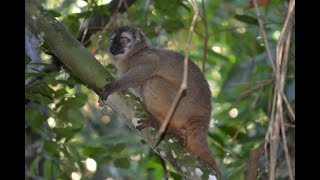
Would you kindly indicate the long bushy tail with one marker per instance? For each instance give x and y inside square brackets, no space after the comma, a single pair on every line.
[197,144]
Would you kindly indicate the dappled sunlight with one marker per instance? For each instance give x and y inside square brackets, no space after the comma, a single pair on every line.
[136,157]
[276,35]
[76,176]
[241,30]
[213,122]
[81,3]
[171,45]
[76,10]
[91,164]
[51,122]
[233,113]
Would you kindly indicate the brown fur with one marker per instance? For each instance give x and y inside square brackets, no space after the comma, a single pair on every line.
[156,76]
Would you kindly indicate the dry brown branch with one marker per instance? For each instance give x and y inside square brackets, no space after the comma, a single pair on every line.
[280,71]
[291,113]
[183,86]
[283,47]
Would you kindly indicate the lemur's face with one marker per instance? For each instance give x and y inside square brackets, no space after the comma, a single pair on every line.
[122,41]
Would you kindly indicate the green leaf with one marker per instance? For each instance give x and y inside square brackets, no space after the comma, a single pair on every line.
[72,23]
[52,147]
[34,165]
[38,98]
[50,79]
[70,158]
[171,25]
[71,117]
[47,91]
[61,92]
[166,7]
[116,149]
[247,19]
[105,159]
[27,60]
[78,101]
[32,75]
[40,64]
[119,147]
[47,169]
[54,13]
[75,154]
[217,138]
[93,151]
[111,69]
[175,175]
[66,132]
[34,118]
[123,163]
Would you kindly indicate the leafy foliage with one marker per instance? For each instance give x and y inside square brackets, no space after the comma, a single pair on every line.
[64,128]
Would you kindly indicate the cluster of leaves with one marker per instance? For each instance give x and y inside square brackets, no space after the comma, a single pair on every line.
[55,143]
[237,69]
[60,136]
[52,117]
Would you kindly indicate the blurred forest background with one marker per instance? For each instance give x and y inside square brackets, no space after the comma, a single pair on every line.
[68,137]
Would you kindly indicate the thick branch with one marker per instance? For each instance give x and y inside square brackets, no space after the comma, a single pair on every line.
[79,60]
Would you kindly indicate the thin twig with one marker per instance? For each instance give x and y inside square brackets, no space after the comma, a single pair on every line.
[279,70]
[269,131]
[111,20]
[206,38]
[165,169]
[105,28]
[248,92]
[84,35]
[292,114]
[183,86]
[251,108]
[90,5]
[199,34]
[237,169]
[225,149]
[285,37]
[264,34]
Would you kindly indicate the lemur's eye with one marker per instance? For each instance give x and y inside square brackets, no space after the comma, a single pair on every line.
[124,41]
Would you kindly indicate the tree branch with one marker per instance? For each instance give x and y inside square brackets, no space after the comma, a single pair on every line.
[279,71]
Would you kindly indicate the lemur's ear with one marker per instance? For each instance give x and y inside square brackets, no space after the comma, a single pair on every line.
[139,35]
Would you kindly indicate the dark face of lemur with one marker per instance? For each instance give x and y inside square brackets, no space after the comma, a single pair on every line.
[122,40]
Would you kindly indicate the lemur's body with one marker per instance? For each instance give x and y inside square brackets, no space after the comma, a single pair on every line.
[156,75]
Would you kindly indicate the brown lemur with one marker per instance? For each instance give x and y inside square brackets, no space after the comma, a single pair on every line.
[155,76]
